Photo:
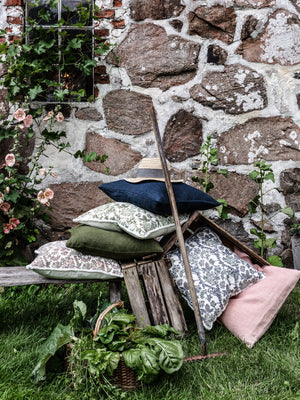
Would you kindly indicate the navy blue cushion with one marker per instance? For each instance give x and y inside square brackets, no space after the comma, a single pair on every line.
[153,196]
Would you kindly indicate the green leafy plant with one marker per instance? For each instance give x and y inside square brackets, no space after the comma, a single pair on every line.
[148,351]
[260,175]
[29,62]
[41,55]
[211,159]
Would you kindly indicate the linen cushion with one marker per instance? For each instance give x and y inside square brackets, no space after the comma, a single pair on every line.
[249,315]
[153,196]
[56,261]
[218,273]
[109,244]
[136,221]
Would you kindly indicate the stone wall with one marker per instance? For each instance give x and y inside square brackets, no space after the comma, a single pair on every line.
[229,69]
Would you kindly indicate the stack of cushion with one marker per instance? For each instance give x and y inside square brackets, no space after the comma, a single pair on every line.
[126,229]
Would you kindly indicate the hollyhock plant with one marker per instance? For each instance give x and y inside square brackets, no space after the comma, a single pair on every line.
[20,115]
[43,171]
[25,123]
[6,228]
[5,207]
[10,160]
[14,222]
[49,194]
[59,117]
[28,121]
[41,197]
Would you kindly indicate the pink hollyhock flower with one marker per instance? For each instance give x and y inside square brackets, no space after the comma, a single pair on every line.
[41,197]
[14,222]
[10,160]
[22,127]
[50,114]
[28,121]
[46,118]
[6,228]
[19,115]
[1,198]
[43,171]
[7,189]
[54,175]
[5,207]
[59,117]
[49,194]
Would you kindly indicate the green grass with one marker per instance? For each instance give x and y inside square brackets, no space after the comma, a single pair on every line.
[270,370]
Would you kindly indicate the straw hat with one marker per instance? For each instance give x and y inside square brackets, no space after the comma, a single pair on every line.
[150,169]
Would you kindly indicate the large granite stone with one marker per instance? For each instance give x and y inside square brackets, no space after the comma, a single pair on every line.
[154,59]
[277,44]
[72,199]
[215,22]
[128,112]
[236,90]
[183,136]
[155,9]
[121,158]
[236,189]
[290,184]
[272,139]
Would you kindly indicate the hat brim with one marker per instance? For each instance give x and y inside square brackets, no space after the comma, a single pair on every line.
[140,179]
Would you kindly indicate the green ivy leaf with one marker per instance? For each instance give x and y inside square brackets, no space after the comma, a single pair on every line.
[223,172]
[222,209]
[275,260]
[270,176]
[288,211]
[35,91]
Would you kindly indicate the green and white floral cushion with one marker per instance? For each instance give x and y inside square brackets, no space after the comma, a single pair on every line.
[137,222]
[55,260]
[218,274]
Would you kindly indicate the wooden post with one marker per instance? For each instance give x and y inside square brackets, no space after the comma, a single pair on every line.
[201,331]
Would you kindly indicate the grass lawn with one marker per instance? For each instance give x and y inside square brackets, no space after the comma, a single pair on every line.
[270,370]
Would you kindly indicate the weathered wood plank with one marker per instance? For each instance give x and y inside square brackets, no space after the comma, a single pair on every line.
[154,293]
[135,295]
[177,320]
[20,276]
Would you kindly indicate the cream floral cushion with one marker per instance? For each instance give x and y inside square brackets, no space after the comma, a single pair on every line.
[137,222]
[218,274]
[55,260]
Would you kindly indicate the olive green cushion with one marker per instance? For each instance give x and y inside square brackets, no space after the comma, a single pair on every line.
[109,244]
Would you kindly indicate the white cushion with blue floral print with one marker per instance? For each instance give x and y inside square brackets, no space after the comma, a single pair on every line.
[218,273]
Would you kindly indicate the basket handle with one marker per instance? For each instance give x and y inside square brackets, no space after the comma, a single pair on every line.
[119,303]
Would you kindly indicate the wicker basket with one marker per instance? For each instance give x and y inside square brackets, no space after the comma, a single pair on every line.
[123,376]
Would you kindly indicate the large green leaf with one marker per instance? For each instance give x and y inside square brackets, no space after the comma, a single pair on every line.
[101,361]
[159,330]
[60,336]
[143,361]
[169,352]
[79,314]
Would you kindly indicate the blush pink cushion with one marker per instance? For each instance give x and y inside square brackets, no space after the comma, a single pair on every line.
[249,314]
